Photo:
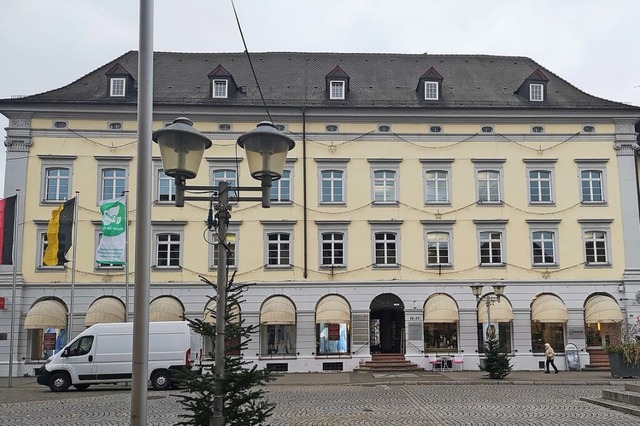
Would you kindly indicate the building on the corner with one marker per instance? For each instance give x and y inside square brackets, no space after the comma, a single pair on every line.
[413,178]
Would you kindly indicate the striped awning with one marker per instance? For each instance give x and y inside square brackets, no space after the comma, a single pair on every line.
[278,310]
[46,314]
[212,306]
[501,311]
[105,310]
[166,308]
[549,308]
[601,309]
[440,308]
[333,310]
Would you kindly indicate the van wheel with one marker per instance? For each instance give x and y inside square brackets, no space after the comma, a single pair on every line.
[81,387]
[161,380]
[59,382]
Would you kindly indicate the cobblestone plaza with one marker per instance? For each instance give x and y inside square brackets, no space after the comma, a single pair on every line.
[364,404]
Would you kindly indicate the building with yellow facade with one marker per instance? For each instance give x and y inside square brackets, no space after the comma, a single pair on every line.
[413,178]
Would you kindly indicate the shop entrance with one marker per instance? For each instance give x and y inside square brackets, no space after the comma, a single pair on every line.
[386,325]
[600,335]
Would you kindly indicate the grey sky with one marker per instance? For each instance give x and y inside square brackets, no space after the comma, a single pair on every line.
[593,44]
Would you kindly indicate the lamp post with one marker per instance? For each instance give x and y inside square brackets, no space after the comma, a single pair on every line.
[489,300]
[181,149]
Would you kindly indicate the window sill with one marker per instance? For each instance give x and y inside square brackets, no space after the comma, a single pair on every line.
[489,203]
[439,266]
[110,269]
[281,203]
[437,203]
[594,203]
[492,265]
[329,267]
[597,265]
[332,203]
[345,355]
[545,265]
[394,266]
[542,203]
[277,356]
[166,268]
[278,267]
[164,203]
[385,203]
[51,268]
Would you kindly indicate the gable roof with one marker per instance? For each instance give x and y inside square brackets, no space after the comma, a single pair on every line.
[297,78]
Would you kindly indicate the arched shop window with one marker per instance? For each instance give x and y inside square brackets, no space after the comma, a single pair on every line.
[603,319]
[46,325]
[548,318]
[278,327]
[501,314]
[166,308]
[105,309]
[333,326]
[440,324]
[234,338]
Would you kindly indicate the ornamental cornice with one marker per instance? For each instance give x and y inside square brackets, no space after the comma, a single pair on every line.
[626,147]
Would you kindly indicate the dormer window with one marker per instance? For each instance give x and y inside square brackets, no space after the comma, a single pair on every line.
[223,86]
[120,82]
[118,86]
[220,89]
[336,89]
[534,87]
[430,90]
[337,84]
[536,92]
[430,86]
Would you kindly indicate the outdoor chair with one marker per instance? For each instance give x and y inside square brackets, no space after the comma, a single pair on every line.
[458,360]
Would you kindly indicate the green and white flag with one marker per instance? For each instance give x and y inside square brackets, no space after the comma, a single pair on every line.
[111,250]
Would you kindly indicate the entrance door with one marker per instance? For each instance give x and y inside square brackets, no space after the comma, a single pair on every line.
[387,324]
[599,335]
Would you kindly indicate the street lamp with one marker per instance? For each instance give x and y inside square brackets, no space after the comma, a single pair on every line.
[489,300]
[181,149]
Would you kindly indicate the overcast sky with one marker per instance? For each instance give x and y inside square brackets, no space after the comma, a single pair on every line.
[593,44]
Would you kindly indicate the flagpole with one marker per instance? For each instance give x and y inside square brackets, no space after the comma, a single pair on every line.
[13,288]
[73,268]
[126,256]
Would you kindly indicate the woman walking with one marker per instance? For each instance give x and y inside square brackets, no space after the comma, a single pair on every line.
[551,355]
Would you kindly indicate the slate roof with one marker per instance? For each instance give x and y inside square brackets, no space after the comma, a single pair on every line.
[298,78]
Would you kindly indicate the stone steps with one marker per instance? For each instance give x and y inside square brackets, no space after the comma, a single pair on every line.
[388,363]
[626,401]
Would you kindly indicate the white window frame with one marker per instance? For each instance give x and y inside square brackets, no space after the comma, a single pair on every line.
[387,227]
[171,228]
[233,239]
[387,166]
[332,227]
[593,165]
[337,89]
[41,244]
[217,84]
[536,92]
[535,165]
[492,227]
[117,87]
[276,186]
[281,228]
[55,162]
[443,165]
[332,165]
[226,165]
[601,226]
[431,91]
[440,226]
[160,181]
[550,226]
[106,163]
[489,166]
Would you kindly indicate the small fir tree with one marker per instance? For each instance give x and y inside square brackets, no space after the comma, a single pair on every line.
[497,360]
[244,396]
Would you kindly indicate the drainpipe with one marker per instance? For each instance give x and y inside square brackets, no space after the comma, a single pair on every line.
[304,192]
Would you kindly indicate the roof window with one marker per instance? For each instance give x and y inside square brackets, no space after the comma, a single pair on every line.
[337,82]
[429,85]
[120,82]
[534,87]
[536,92]
[220,89]
[336,89]
[223,86]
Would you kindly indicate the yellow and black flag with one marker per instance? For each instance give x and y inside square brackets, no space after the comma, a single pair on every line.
[59,234]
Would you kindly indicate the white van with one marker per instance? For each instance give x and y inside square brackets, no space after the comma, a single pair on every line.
[103,352]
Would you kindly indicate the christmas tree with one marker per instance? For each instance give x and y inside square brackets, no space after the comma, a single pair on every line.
[497,360]
[244,396]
